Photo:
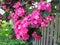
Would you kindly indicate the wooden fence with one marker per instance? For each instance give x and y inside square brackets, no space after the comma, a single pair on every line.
[51,33]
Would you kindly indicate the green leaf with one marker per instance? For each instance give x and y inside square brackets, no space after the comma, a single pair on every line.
[5,40]
[44,13]
[59,43]
[22,42]
[38,32]
[59,36]
[37,0]
[5,15]
[27,8]
[1,0]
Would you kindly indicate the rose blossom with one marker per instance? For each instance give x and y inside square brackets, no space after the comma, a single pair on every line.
[16,5]
[20,11]
[36,36]
[36,18]
[25,37]
[44,6]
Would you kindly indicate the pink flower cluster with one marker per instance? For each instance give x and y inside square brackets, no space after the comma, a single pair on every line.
[14,17]
[44,6]
[6,7]
[21,26]
[36,36]
[45,21]
[17,5]
[34,19]
[18,11]
[21,29]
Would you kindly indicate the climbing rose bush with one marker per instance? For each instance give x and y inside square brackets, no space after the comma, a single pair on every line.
[26,21]
[35,19]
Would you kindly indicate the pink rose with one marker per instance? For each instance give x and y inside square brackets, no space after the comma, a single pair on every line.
[20,12]
[34,34]
[23,31]
[18,36]
[44,6]
[43,24]
[38,37]
[25,37]
[17,5]
[36,18]
[49,18]
[14,16]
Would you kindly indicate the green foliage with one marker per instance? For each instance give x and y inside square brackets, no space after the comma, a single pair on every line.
[38,31]
[1,0]
[59,36]
[5,15]
[22,42]
[37,0]
[7,41]
[44,13]
[5,30]
[27,8]
[58,43]
[55,3]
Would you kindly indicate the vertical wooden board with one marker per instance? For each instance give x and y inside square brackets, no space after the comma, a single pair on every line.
[51,33]
[55,32]
[42,39]
[59,29]
[44,35]
[47,34]
[35,42]
[39,42]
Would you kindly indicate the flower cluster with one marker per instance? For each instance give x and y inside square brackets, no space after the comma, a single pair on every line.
[35,20]
[21,20]
[34,34]
[46,20]
[44,6]
[21,26]
[17,5]
[5,7]
[18,11]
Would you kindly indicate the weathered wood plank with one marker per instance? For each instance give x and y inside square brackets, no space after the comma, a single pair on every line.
[59,30]
[51,33]
[44,35]
[47,34]
[55,32]
[42,39]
